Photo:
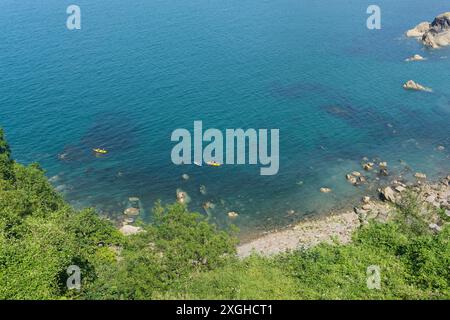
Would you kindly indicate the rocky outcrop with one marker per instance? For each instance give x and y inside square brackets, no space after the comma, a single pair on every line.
[435,34]
[355,178]
[368,166]
[416,57]
[387,194]
[232,214]
[183,197]
[419,30]
[411,85]
[129,230]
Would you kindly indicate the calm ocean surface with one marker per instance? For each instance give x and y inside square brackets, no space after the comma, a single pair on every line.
[140,69]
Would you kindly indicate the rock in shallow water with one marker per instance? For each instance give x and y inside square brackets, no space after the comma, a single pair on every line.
[183,197]
[420,175]
[232,214]
[411,85]
[388,194]
[416,57]
[131,211]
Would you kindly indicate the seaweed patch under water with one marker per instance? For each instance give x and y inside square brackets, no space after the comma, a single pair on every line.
[113,131]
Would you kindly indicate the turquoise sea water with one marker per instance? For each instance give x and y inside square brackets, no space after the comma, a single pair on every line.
[140,69]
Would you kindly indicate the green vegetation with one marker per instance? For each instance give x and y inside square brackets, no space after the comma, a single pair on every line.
[181,255]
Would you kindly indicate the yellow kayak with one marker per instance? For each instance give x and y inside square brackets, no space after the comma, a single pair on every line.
[102,151]
[213,164]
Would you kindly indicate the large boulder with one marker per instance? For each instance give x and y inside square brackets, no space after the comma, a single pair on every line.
[387,194]
[129,230]
[232,214]
[183,197]
[435,34]
[325,190]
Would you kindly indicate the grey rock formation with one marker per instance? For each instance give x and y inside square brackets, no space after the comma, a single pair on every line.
[435,34]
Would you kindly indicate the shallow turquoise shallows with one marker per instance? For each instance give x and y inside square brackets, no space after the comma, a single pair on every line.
[139,69]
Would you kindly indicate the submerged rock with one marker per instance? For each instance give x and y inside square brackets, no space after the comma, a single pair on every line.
[355,178]
[420,175]
[185,176]
[411,85]
[127,221]
[131,211]
[208,205]
[351,178]
[384,172]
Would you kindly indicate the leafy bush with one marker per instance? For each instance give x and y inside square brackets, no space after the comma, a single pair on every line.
[6,163]
[163,257]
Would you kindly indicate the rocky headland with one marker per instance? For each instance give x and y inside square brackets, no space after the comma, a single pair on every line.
[435,34]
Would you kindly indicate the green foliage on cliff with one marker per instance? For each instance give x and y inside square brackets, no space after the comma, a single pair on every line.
[164,257]
[6,163]
[181,255]
[410,268]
